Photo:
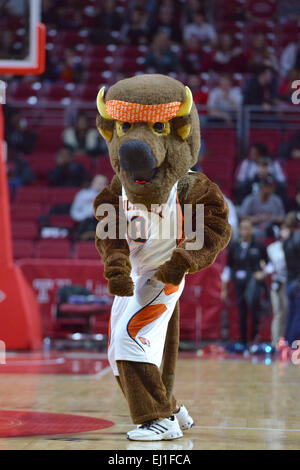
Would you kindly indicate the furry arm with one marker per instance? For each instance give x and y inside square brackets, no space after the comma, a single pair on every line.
[114,252]
[196,188]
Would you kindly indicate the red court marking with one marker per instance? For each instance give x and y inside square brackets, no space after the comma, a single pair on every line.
[54,363]
[27,423]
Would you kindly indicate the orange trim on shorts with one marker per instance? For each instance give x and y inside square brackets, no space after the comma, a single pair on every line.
[180,232]
[136,112]
[170,289]
[144,317]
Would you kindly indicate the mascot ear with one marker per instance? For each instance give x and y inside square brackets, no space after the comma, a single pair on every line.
[104,121]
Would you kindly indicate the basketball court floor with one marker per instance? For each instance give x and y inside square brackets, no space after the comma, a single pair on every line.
[71,401]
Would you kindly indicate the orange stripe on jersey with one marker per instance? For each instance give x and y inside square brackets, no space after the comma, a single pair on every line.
[144,317]
[180,233]
[170,289]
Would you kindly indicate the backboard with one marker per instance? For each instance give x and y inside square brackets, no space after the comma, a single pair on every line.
[22,37]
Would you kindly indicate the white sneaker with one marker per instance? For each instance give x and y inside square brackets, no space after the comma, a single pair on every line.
[157,430]
[184,419]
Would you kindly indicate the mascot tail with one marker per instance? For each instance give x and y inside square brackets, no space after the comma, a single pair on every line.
[171,351]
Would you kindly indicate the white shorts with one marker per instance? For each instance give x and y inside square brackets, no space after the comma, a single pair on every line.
[138,324]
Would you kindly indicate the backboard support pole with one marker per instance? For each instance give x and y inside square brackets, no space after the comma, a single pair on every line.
[20,319]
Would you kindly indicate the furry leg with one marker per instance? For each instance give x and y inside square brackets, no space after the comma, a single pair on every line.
[144,391]
[171,352]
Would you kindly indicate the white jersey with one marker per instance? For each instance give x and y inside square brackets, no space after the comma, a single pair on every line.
[152,234]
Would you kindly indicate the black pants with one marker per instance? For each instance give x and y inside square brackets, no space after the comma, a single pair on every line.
[293,320]
[248,296]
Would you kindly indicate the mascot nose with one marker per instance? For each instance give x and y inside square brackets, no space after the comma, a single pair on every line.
[137,158]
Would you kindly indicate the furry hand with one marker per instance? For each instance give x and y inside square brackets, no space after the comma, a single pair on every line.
[117,270]
[172,272]
[121,285]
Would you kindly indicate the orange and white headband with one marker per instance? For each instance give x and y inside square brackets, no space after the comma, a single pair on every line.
[135,112]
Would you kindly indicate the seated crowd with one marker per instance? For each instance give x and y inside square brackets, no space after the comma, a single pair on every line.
[184,36]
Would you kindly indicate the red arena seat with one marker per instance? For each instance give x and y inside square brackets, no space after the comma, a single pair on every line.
[23,249]
[53,249]
[29,212]
[86,250]
[23,230]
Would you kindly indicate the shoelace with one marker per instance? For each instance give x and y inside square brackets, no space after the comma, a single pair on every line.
[154,426]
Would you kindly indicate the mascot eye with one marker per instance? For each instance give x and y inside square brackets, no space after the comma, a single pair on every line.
[159,127]
[126,126]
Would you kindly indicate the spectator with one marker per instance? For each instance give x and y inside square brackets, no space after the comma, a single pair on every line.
[285,89]
[290,57]
[279,301]
[264,209]
[294,204]
[107,21]
[194,58]
[49,12]
[18,136]
[292,149]
[265,167]
[232,218]
[261,89]
[19,173]
[161,58]
[200,94]
[147,5]
[190,8]
[136,32]
[81,138]
[67,172]
[260,54]
[224,101]
[248,168]
[246,258]
[204,31]
[70,67]
[166,22]
[291,247]
[82,206]
[228,57]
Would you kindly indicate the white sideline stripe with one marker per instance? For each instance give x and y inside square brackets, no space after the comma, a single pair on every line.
[102,372]
[233,428]
[46,362]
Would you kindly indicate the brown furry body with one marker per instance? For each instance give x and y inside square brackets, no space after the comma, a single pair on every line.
[149,394]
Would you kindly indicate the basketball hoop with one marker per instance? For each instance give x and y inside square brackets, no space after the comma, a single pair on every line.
[34,63]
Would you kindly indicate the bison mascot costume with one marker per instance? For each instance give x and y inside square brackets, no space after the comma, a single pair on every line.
[152,130]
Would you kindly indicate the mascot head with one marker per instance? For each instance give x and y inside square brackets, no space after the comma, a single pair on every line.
[151,127]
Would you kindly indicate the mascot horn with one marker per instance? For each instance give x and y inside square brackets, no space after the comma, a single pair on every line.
[151,127]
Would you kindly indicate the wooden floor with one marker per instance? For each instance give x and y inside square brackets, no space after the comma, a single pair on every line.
[236,404]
